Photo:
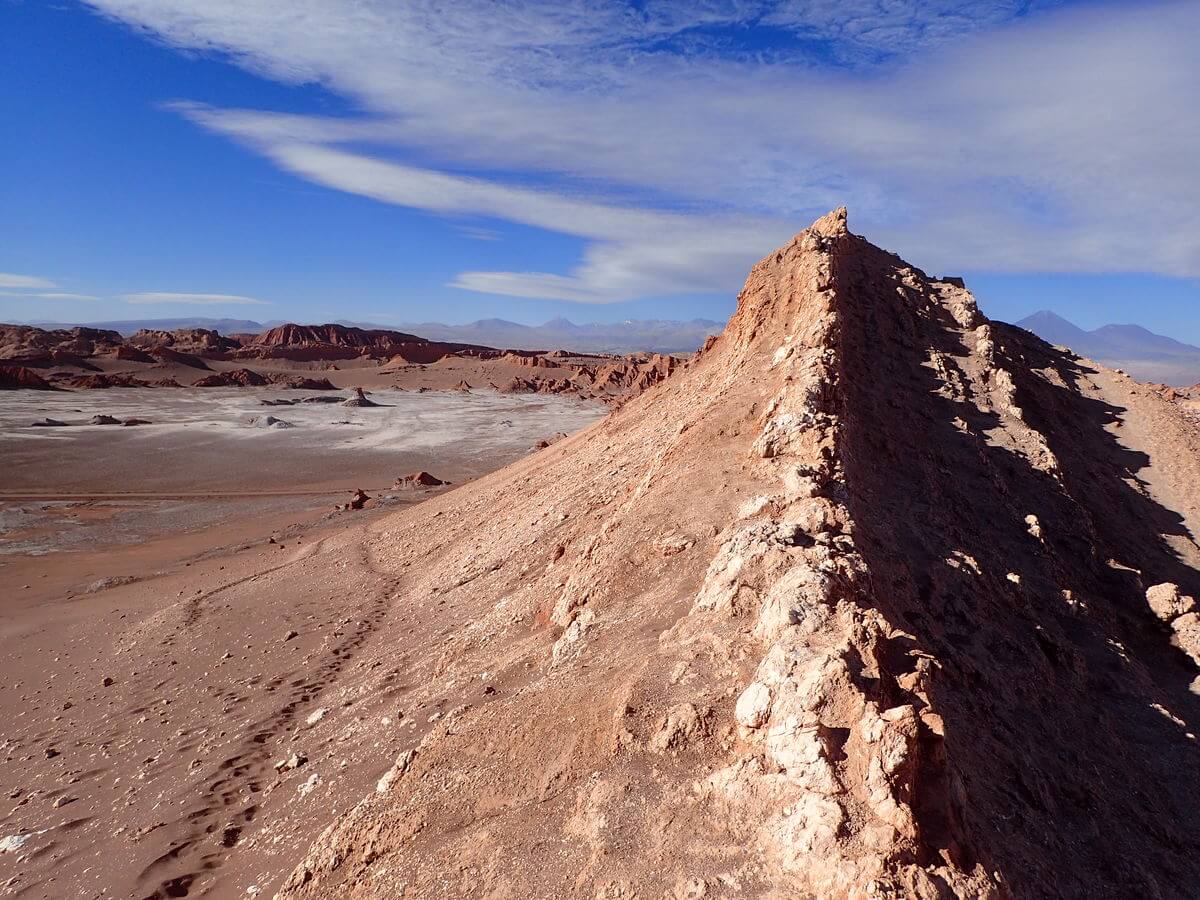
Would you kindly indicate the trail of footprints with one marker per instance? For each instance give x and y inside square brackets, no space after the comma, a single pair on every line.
[219,811]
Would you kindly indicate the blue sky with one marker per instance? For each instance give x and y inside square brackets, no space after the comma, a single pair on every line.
[433,160]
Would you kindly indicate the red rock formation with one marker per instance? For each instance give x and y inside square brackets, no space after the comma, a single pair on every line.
[126,353]
[101,381]
[13,378]
[328,342]
[235,378]
[302,383]
[532,360]
[24,341]
[197,341]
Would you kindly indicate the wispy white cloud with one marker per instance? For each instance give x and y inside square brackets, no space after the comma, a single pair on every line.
[9,280]
[1062,142]
[47,295]
[152,297]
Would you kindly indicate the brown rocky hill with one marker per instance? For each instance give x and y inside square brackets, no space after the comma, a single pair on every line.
[875,598]
[14,378]
[38,346]
[194,341]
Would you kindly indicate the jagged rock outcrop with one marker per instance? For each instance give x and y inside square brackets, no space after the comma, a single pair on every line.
[855,605]
[199,342]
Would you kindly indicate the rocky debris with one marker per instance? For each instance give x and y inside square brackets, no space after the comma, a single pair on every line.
[462,387]
[16,378]
[294,761]
[14,842]
[234,378]
[392,775]
[1167,603]
[131,422]
[271,422]
[360,500]
[1186,635]
[682,726]
[324,400]
[1178,612]
[48,423]
[105,420]
[291,635]
[417,480]
[313,782]
[360,399]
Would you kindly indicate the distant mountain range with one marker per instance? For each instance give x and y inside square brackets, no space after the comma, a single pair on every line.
[129,326]
[1142,353]
[630,336]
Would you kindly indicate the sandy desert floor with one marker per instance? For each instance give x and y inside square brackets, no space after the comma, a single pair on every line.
[209,472]
[153,537]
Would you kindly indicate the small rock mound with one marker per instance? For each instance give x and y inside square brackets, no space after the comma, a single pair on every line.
[234,378]
[359,399]
[416,481]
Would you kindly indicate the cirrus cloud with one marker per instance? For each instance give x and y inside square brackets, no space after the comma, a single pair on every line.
[967,134]
[9,280]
